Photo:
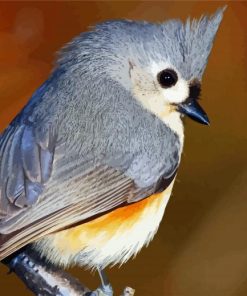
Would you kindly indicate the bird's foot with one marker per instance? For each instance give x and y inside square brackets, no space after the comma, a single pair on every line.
[128,292]
[29,262]
[108,291]
[105,290]
[22,259]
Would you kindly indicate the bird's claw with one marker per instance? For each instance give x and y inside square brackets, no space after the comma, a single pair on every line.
[108,291]
[128,292]
[105,290]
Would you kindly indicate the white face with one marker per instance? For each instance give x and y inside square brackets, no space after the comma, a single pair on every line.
[147,88]
[157,98]
[176,93]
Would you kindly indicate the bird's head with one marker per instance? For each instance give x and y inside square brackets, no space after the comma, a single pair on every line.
[161,64]
[166,63]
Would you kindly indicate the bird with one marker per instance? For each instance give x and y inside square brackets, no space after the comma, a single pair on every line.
[88,165]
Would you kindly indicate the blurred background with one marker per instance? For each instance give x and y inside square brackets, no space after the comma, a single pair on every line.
[201,246]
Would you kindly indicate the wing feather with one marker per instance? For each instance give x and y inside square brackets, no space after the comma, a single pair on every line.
[25,167]
[113,191]
[95,190]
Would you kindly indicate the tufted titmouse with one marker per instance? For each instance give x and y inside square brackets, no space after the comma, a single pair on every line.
[88,166]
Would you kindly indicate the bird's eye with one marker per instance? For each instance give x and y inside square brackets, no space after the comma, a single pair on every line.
[167,78]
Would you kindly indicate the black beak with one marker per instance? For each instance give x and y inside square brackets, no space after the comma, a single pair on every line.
[192,109]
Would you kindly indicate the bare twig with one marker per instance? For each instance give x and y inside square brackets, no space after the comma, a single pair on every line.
[42,279]
[46,280]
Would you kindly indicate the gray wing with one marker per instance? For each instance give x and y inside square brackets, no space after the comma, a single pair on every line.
[75,192]
[103,189]
[26,162]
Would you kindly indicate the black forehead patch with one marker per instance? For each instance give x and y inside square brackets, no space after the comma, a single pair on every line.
[195,90]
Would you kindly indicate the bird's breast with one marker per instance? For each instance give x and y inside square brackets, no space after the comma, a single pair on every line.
[109,239]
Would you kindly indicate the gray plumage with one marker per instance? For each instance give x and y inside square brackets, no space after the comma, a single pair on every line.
[83,144]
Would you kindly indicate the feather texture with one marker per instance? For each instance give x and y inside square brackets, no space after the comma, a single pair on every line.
[84,145]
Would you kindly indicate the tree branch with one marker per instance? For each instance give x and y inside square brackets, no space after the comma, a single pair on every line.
[43,279]
[46,280]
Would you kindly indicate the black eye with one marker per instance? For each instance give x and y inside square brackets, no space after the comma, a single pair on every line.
[167,78]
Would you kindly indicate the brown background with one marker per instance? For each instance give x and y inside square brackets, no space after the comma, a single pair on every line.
[201,246]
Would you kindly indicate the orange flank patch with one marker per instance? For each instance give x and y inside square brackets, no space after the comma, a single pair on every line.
[97,232]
